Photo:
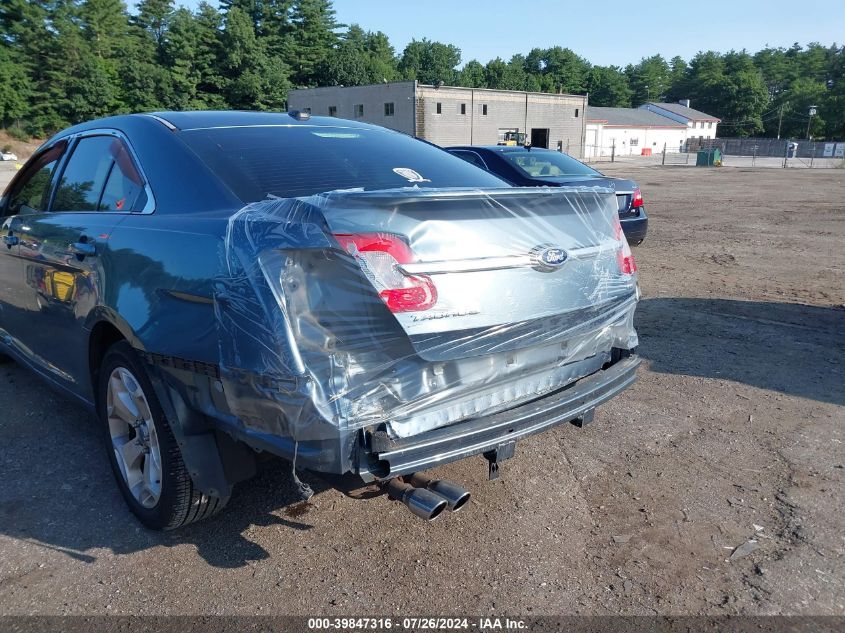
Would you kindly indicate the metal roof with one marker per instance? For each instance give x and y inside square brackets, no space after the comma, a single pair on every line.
[630,117]
[682,110]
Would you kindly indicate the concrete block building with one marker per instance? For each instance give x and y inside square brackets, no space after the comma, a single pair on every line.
[449,115]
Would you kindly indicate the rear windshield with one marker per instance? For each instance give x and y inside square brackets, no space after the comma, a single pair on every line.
[539,163]
[304,160]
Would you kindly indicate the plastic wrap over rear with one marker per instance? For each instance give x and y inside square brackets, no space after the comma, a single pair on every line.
[410,309]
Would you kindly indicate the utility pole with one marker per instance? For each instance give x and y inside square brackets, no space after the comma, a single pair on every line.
[780,119]
[810,120]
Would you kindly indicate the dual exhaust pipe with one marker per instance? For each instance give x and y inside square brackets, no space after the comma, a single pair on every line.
[427,498]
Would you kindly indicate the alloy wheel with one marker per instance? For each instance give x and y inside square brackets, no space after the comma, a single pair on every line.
[134,438]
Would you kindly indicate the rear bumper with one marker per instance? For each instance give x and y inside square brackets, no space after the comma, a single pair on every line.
[635,227]
[392,457]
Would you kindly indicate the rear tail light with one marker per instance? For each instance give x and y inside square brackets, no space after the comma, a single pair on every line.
[380,256]
[637,201]
[624,256]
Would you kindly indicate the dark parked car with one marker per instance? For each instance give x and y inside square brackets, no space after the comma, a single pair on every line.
[217,285]
[531,167]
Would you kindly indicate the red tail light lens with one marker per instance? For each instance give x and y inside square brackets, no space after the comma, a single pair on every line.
[380,255]
[624,256]
[638,199]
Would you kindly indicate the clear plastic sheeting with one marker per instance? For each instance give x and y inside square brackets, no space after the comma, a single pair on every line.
[410,309]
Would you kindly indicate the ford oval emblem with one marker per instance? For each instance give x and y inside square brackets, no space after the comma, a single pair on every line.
[548,258]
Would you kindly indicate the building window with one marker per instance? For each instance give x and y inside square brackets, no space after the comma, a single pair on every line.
[439,108]
[332,110]
[388,109]
[463,108]
[359,110]
[635,142]
[710,125]
[484,109]
[576,113]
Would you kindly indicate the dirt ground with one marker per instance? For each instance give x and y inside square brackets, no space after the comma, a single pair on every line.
[734,433]
[22,149]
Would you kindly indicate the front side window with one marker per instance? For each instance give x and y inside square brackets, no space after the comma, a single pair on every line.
[100,176]
[32,192]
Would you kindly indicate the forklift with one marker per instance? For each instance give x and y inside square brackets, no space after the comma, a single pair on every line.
[512,138]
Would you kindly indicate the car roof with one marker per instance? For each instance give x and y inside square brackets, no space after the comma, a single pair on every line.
[501,148]
[205,119]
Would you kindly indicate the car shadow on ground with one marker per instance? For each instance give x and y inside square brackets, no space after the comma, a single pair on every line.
[791,348]
[59,494]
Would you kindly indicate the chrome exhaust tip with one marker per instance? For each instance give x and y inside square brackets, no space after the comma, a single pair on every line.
[423,503]
[455,495]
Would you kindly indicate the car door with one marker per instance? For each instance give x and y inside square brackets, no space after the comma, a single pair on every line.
[28,195]
[64,251]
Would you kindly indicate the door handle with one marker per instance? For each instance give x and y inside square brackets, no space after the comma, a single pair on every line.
[83,249]
[11,240]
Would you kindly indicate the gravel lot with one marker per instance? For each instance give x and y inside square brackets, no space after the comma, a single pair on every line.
[734,432]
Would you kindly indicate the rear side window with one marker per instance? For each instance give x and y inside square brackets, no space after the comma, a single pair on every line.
[124,190]
[301,161]
[99,176]
[471,157]
[32,192]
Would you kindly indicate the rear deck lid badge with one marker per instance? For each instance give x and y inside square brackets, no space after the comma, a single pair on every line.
[548,258]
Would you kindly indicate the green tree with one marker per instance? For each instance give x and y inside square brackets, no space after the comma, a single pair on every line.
[311,38]
[254,80]
[564,71]
[361,57]
[649,79]
[208,56]
[430,62]
[15,92]
[153,17]
[472,75]
[608,86]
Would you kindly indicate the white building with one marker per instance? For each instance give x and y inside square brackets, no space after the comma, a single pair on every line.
[699,124]
[631,131]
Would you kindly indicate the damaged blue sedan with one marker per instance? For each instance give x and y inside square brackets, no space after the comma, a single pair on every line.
[218,285]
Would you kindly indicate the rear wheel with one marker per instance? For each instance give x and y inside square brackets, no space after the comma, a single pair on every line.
[143,452]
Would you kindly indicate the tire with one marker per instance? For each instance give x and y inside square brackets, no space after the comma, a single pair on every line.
[162,494]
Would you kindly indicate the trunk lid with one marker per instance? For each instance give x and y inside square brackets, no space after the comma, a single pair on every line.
[509,268]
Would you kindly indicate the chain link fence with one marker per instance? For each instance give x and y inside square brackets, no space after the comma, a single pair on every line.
[735,152]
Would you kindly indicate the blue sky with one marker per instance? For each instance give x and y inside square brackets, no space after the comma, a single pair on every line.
[605,32]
